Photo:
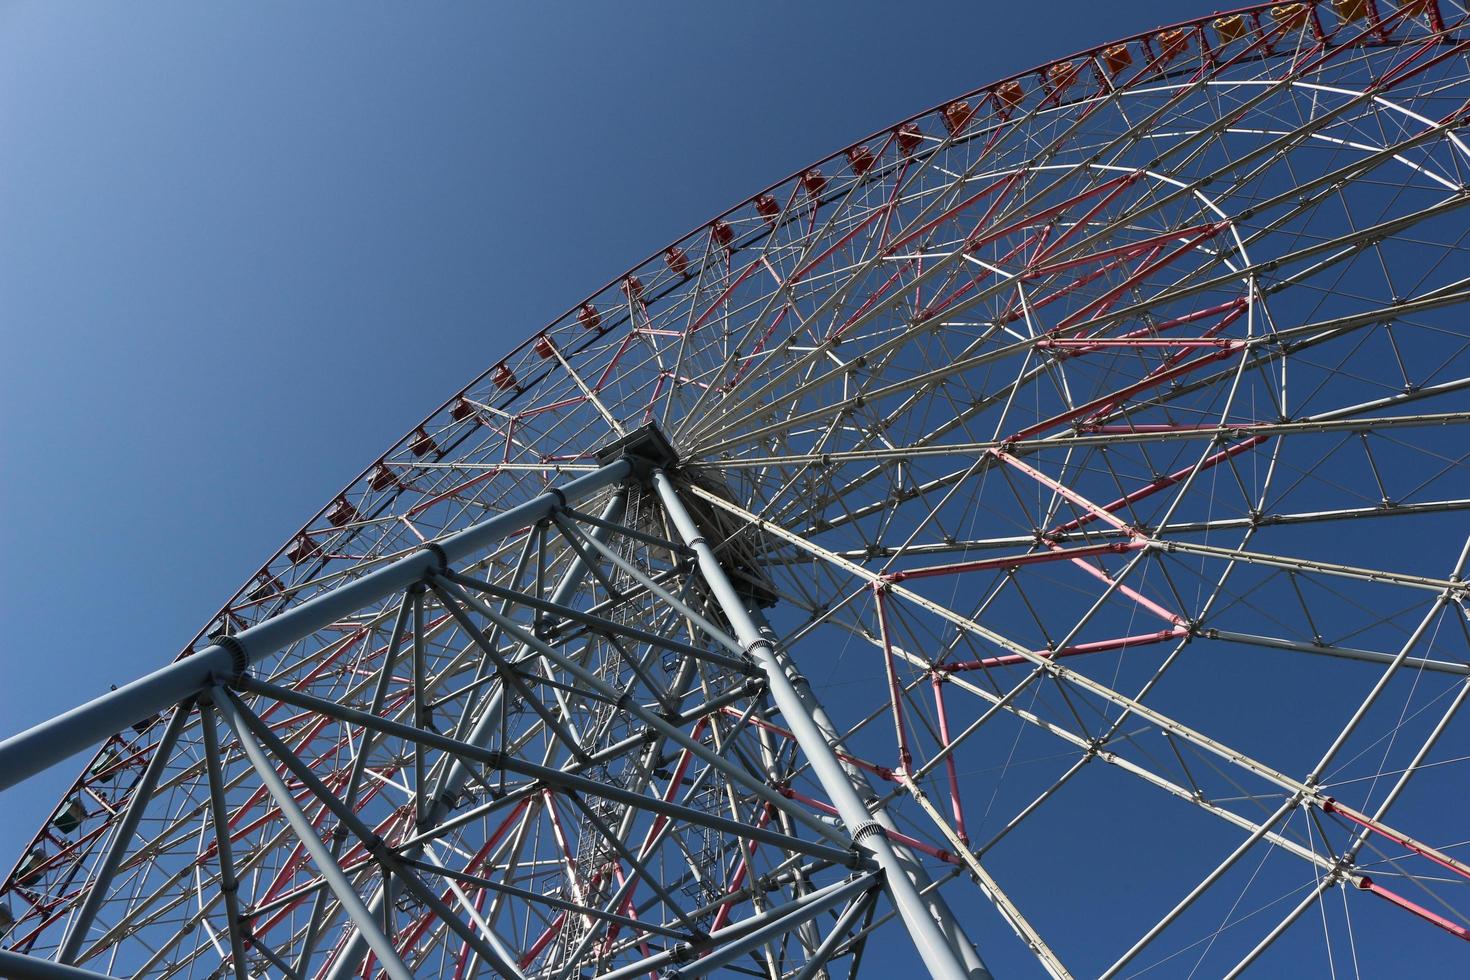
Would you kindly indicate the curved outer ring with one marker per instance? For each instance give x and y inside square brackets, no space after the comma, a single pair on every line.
[1259,12]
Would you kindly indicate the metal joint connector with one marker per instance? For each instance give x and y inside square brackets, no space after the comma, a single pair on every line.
[441,566]
[759,641]
[239,658]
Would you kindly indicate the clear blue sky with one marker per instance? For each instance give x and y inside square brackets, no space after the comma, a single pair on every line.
[244,247]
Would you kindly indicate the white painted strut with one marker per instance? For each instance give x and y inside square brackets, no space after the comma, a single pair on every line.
[939,957]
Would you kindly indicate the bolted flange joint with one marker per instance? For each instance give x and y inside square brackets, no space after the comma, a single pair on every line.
[441,562]
[861,856]
[239,658]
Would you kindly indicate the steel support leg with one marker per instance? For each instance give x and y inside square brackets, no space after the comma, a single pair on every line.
[220,817]
[816,964]
[338,881]
[100,885]
[763,925]
[20,967]
[975,967]
[804,912]
[933,946]
[354,778]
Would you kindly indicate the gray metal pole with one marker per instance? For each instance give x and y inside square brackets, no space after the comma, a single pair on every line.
[974,966]
[33,968]
[39,748]
[836,932]
[220,817]
[340,884]
[939,957]
[804,912]
[354,778]
[393,870]
[98,887]
[812,903]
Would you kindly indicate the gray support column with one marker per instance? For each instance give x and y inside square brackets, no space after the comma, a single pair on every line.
[934,947]
[336,880]
[816,964]
[20,967]
[39,748]
[803,909]
[354,778]
[100,884]
[220,817]
[974,966]
[784,917]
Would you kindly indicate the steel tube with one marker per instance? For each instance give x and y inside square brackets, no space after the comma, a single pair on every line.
[1346,653]
[653,719]
[220,817]
[756,938]
[34,968]
[974,966]
[823,898]
[392,871]
[1200,889]
[552,901]
[935,949]
[1296,913]
[97,890]
[354,778]
[39,748]
[336,880]
[836,932]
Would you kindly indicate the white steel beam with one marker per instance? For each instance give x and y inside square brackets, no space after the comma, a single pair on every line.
[941,959]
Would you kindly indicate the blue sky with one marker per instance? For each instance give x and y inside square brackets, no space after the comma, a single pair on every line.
[245,247]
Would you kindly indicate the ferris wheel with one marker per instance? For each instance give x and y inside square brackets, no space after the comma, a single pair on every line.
[1032,539]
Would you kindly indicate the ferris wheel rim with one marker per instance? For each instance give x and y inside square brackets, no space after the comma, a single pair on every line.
[1197,24]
